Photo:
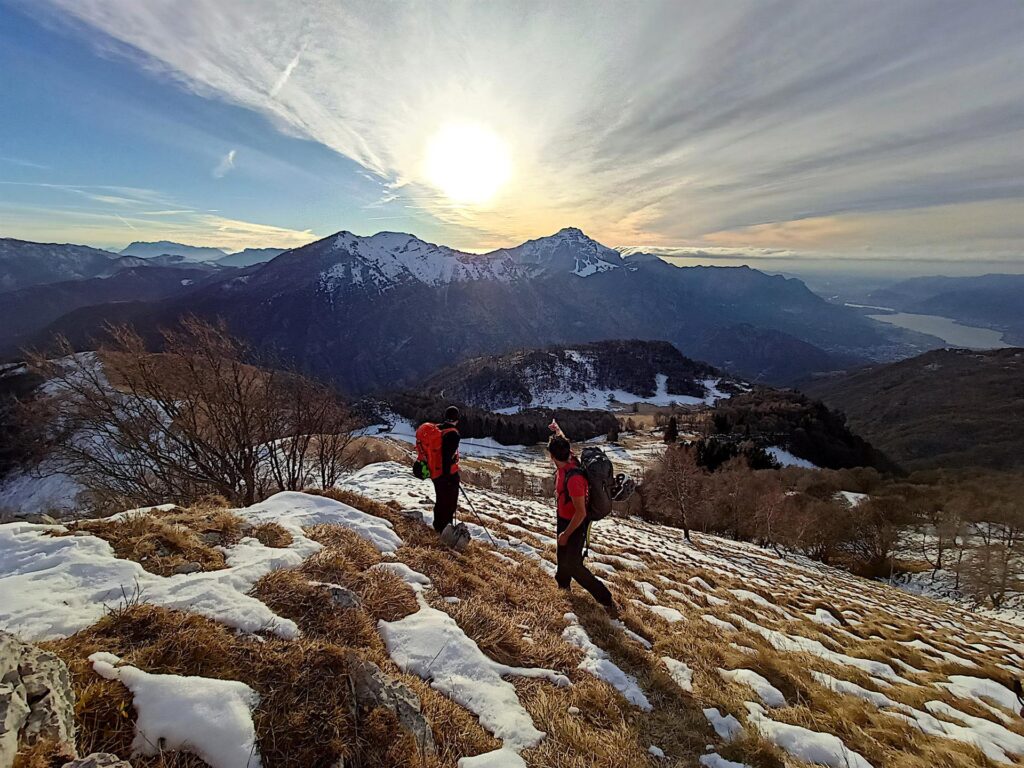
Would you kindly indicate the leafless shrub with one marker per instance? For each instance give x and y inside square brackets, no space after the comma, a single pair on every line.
[195,419]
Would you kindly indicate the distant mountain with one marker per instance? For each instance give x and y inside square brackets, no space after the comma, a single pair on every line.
[767,356]
[380,312]
[167,248]
[994,301]
[249,256]
[582,376]
[24,263]
[25,313]
[946,408]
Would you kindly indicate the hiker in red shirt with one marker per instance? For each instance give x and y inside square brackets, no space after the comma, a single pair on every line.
[446,486]
[572,524]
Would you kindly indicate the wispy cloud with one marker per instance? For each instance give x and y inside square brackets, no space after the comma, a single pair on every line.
[285,74]
[103,227]
[657,123]
[226,164]
[24,163]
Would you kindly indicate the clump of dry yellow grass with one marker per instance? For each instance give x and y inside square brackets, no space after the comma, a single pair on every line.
[162,541]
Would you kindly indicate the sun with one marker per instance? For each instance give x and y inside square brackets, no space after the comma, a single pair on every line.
[468,162]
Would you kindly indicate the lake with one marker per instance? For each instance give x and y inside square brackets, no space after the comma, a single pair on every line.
[954,334]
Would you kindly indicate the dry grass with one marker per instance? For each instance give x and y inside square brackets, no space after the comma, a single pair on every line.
[271,535]
[365,450]
[45,753]
[304,717]
[164,541]
[514,612]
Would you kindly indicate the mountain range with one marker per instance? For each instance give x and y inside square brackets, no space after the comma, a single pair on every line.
[992,301]
[172,253]
[24,263]
[379,312]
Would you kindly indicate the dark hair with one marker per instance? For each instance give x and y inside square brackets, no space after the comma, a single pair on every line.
[451,413]
[559,448]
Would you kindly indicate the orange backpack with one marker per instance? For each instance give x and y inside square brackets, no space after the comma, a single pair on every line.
[429,437]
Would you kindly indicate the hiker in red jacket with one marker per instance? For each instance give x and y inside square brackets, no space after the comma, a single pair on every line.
[446,485]
[572,524]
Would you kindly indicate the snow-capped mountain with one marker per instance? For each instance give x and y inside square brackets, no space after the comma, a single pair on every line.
[386,311]
[391,258]
[583,376]
[567,250]
[382,261]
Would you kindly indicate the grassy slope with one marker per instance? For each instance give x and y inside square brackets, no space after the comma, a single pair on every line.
[515,614]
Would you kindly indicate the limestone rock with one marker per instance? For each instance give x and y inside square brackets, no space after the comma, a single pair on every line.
[343,598]
[36,700]
[373,688]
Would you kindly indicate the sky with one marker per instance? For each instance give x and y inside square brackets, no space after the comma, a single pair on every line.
[876,135]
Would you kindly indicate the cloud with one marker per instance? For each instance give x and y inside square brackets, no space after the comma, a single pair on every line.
[285,74]
[24,163]
[50,223]
[657,123]
[226,164]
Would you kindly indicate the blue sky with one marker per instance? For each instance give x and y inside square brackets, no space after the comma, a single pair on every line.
[771,133]
[96,150]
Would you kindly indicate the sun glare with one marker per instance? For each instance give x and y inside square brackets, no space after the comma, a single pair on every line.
[467,162]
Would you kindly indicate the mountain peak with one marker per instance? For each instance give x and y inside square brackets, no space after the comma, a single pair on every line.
[570,250]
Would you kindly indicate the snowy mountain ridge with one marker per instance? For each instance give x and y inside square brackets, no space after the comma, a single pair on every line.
[390,258]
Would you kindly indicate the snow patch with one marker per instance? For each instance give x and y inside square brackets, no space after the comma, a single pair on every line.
[596,662]
[210,718]
[805,744]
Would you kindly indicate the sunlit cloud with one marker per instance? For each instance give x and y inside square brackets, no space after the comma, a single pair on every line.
[285,74]
[657,123]
[115,229]
[226,164]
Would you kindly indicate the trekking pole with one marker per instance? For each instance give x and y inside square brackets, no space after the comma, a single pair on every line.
[478,518]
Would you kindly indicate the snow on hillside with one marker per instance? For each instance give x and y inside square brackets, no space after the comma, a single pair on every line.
[820,665]
[787,459]
[596,398]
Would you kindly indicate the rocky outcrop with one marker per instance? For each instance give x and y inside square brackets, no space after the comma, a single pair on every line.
[372,688]
[36,700]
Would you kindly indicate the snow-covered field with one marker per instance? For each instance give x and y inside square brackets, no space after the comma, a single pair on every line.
[785,651]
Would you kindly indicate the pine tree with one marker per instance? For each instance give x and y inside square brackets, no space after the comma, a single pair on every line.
[672,431]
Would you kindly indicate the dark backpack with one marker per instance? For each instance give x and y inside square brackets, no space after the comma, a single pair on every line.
[594,465]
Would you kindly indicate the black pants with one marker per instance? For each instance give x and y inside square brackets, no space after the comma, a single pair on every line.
[446,489]
[571,565]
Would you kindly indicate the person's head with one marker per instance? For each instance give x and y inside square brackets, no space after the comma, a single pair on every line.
[559,449]
[451,414]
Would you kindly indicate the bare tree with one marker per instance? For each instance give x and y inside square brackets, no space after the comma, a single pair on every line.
[192,420]
[672,487]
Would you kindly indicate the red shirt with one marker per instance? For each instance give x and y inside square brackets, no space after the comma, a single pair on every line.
[577,487]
